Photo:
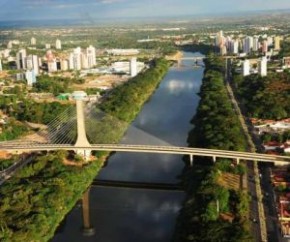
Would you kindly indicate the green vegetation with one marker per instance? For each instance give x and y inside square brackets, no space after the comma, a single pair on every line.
[35,201]
[12,130]
[265,97]
[217,125]
[285,50]
[202,48]
[28,110]
[4,163]
[38,198]
[55,85]
[211,211]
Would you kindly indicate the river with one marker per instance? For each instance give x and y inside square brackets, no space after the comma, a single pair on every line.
[131,215]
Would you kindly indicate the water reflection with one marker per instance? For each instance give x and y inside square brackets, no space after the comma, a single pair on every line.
[136,216]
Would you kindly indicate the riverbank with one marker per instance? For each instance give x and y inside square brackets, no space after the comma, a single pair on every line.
[38,198]
[215,209]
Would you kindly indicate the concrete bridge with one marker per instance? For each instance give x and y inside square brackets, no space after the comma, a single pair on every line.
[84,148]
[175,150]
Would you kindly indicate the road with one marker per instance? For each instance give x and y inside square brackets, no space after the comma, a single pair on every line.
[257,214]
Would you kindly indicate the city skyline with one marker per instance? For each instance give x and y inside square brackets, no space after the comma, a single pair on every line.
[113,9]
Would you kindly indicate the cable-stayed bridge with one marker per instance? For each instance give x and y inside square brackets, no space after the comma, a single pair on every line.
[85,130]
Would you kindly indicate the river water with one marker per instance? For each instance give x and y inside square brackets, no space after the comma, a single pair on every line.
[139,215]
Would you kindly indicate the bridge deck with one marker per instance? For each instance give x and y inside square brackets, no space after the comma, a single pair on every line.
[148,149]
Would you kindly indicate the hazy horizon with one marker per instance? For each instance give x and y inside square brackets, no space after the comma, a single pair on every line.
[94,10]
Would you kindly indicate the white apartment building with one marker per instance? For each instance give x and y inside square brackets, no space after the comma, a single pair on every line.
[133,67]
[32,63]
[246,68]
[262,66]
[58,44]
[20,59]
[33,41]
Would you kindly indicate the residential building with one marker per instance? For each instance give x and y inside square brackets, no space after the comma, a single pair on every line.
[286,62]
[219,39]
[20,59]
[270,40]
[234,47]
[265,46]
[9,45]
[30,77]
[277,42]
[33,41]
[262,66]
[52,65]
[64,65]
[133,67]
[32,64]
[58,44]
[248,44]
[246,68]
[75,60]
[47,46]
[49,55]
[256,44]
[91,56]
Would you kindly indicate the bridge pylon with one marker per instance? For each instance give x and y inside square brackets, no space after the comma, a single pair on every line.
[82,140]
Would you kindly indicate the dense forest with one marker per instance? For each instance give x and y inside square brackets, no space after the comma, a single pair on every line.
[265,97]
[55,85]
[38,197]
[24,109]
[212,210]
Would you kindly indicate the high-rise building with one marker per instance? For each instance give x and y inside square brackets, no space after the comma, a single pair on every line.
[20,59]
[270,40]
[219,39]
[223,50]
[52,65]
[91,56]
[256,44]
[248,44]
[262,66]
[133,67]
[84,61]
[47,46]
[277,42]
[33,41]
[49,55]
[246,68]
[265,46]
[75,60]
[58,44]
[64,65]
[234,47]
[32,64]
[9,45]
[30,77]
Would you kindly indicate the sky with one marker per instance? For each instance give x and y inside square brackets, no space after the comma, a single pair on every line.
[114,9]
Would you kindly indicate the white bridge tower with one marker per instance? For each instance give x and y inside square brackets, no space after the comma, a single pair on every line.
[82,140]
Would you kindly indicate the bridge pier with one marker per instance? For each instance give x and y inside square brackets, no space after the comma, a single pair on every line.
[214,159]
[191,160]
[238,161]
[87,229]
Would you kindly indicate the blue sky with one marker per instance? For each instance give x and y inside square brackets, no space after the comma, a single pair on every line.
[92,9]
